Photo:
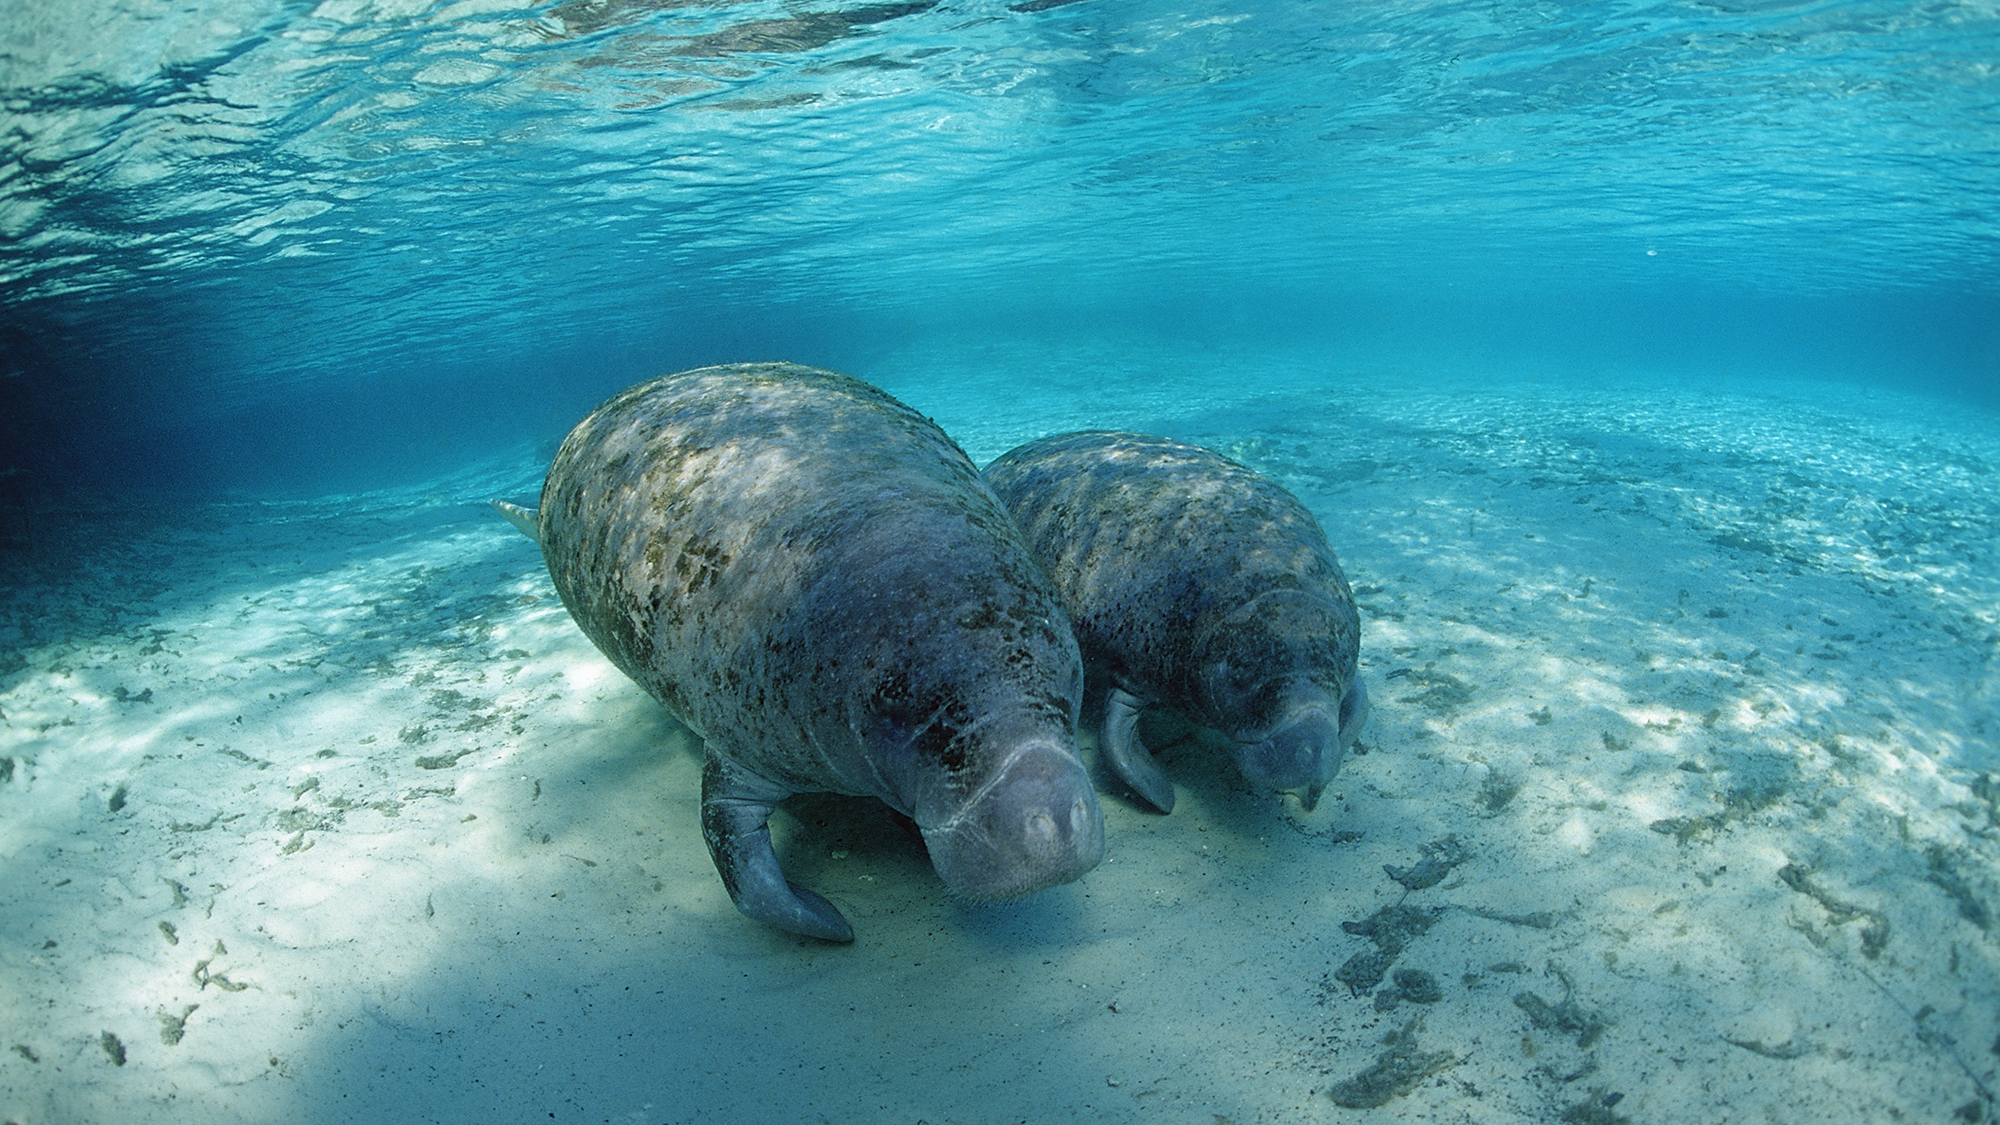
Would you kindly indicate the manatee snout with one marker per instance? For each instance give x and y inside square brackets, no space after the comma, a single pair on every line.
[1034,825]
[1302,752]
[1305,746]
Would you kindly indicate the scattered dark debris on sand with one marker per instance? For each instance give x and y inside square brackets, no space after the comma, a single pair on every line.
[1411,986]
[1393,927]
[174,1027]
[1946,871]
[1440,857]
[1395,1072]
[1496,791]
[1596,1110]
[1390,929]
[1874,923]
[1565,1017]
[444,761]
[1794,1048]
[1441,692]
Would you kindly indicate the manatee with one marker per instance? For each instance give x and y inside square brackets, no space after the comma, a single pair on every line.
[1199,585]
[815,579]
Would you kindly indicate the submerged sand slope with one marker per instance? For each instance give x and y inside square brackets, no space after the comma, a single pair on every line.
[1681,803]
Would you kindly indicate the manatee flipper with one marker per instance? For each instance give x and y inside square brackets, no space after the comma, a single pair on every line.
[735,820]
[523,518]
[1354,708]
[1130,759]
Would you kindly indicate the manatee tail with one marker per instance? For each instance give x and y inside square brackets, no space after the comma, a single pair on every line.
[522,518]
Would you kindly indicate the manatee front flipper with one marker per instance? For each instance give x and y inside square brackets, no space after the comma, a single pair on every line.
[1354,709]
[1130,759]
[735,820]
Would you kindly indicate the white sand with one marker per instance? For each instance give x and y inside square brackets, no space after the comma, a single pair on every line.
[327,812]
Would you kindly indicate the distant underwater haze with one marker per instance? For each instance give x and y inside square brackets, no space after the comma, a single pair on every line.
[253,243]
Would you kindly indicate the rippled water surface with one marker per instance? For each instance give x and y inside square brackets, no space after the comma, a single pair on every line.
[211,206]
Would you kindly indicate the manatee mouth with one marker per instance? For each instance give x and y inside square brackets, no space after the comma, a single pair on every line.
[1304,750]
[1034,824]
[1301,751]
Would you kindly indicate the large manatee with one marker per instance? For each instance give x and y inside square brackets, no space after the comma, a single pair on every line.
[1200,585]
[814,578]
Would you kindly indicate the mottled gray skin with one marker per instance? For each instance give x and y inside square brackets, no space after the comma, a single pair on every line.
[1197,584]
[815,579]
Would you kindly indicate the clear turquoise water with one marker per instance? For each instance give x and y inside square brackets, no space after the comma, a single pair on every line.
[1641,359]
[231,229]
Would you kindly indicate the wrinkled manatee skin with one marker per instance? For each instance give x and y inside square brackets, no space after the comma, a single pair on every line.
[1197,584]
[815,579]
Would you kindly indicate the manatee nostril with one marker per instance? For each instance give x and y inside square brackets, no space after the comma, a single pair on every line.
[1042,826]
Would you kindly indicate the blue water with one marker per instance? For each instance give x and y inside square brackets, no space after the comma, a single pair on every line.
[1641,359]
[274,245]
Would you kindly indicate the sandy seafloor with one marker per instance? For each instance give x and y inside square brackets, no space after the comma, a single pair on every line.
[1683,757]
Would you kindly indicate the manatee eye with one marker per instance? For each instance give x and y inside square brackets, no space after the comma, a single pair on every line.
[1234,685]
[1246,701]
[1265,703]
[924,725]
[891,714]
[938,742]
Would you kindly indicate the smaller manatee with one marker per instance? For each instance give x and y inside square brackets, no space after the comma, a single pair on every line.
[1200,585]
